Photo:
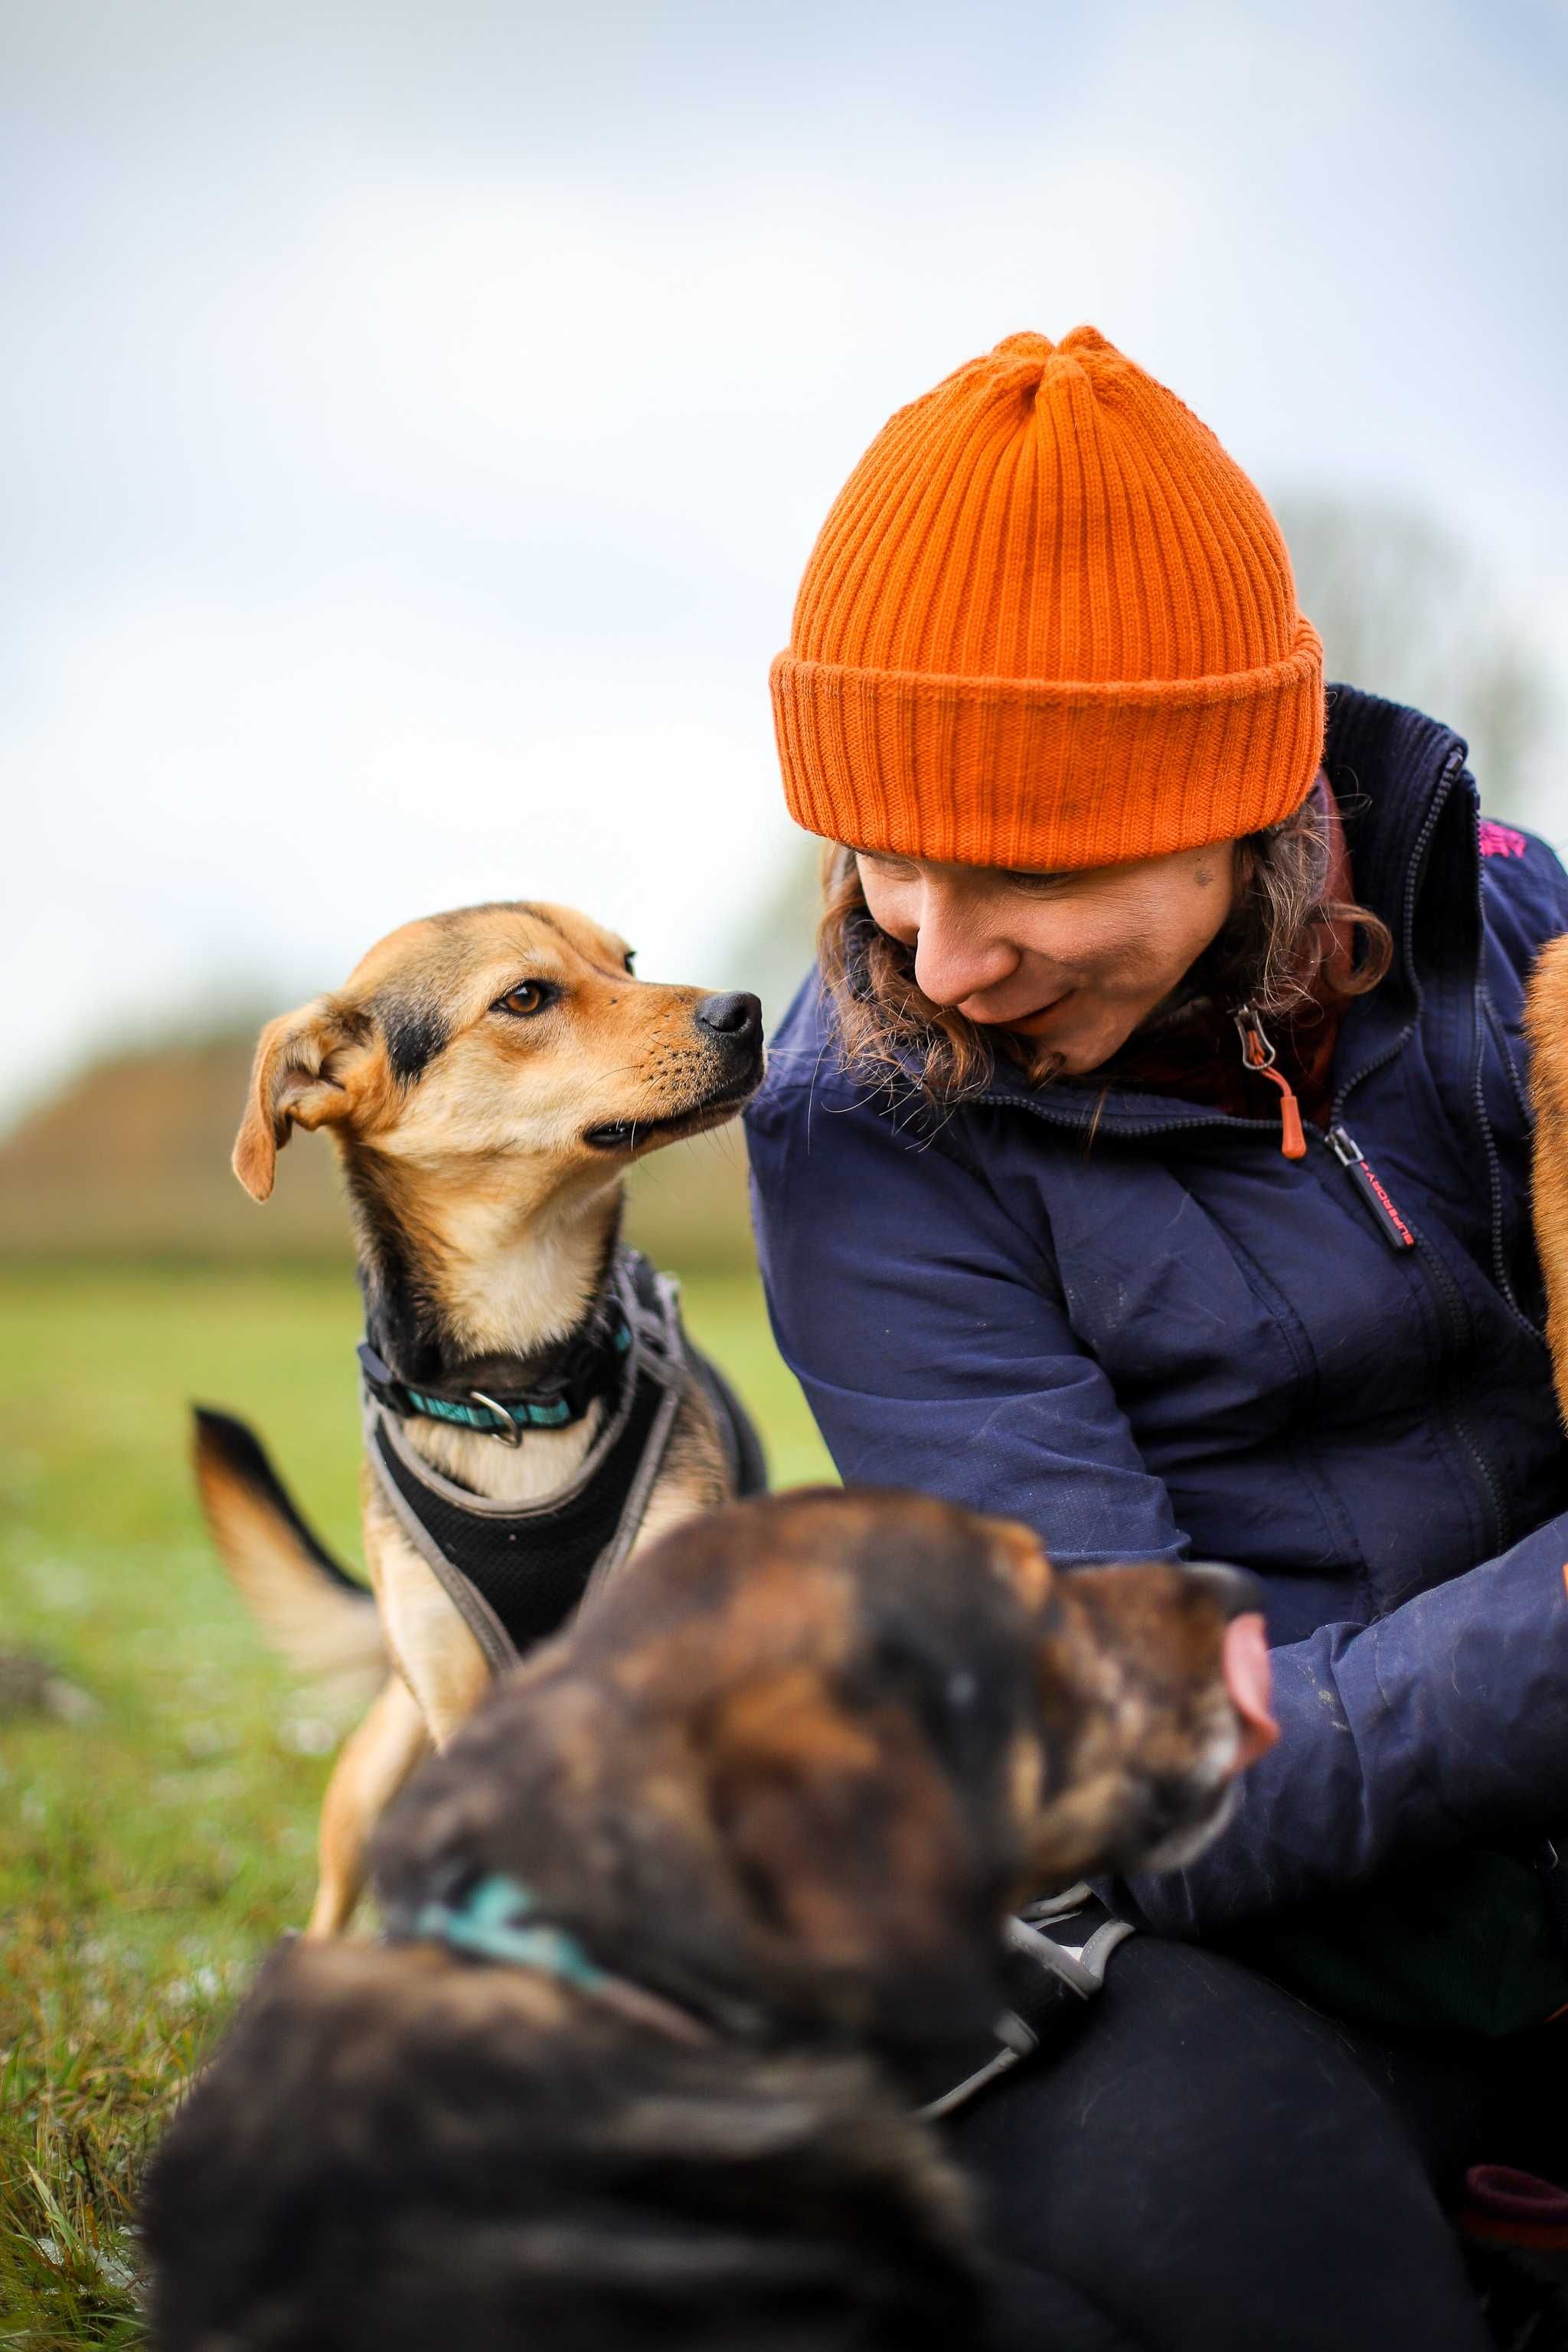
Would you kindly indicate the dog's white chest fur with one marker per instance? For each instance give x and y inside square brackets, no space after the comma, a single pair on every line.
[546,1460]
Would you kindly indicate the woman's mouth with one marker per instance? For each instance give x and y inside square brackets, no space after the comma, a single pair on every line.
[1036,1023]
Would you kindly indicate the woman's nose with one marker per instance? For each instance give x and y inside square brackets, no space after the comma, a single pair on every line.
[956,954]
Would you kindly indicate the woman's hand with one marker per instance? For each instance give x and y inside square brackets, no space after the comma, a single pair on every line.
[1445,1724]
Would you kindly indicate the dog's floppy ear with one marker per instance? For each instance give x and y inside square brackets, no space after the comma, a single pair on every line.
[1020,1559]
[293,1083]
[847,1843]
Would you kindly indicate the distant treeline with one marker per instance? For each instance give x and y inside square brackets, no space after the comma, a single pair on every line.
[131,1161]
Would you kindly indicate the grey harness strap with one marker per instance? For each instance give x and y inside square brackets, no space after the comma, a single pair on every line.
[515,1573]
[1058,1954]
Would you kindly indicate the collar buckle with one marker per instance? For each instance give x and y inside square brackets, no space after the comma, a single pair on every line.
[510,1430]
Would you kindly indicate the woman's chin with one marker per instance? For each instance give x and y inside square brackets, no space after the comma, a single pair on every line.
[1073,1030]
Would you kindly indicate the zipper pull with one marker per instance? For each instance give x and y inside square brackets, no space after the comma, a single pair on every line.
[1386,1217]
[1259,1055]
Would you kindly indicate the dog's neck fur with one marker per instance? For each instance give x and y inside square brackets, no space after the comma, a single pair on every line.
[464,1279]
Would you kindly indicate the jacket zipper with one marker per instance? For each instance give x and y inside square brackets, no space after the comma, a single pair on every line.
[1257,1052]
[1371,1186]
[1450,1302]
[1390,1223]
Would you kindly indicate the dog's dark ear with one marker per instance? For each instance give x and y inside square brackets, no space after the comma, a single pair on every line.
[848,1845]
[296,1080]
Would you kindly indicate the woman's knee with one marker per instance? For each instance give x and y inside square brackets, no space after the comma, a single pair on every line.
[1208,2164]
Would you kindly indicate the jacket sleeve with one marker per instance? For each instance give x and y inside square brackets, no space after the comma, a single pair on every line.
[925,1324]
[1444,1724]
[927,1329]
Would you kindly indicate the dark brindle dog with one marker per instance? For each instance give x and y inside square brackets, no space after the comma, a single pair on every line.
[674,1923]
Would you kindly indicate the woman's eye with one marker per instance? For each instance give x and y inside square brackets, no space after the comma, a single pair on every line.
[528,996]
[631,963]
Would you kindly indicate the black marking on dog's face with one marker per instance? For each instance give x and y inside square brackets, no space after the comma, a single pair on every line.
[415,1035]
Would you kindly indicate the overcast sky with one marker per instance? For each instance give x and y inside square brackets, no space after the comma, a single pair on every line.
[417,415]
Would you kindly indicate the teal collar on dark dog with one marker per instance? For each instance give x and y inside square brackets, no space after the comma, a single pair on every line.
[494,1921]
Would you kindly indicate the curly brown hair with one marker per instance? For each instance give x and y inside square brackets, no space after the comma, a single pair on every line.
[1284,933]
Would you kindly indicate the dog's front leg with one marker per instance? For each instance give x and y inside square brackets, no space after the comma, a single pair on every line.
[432,1647]
[375,1762]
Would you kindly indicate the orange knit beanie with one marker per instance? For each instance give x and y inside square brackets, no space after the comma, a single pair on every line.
[1049,623]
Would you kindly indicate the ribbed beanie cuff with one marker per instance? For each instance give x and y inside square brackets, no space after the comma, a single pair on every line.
[1047,778]
[1050,623]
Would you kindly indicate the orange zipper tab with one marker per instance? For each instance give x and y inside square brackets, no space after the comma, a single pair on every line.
[1259,1055]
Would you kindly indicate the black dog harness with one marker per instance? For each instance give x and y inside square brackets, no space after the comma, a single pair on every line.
[516,1571]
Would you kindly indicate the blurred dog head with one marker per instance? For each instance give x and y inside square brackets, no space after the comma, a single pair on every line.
[826,1740]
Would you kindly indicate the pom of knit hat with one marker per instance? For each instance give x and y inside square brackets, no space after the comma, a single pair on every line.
[1049,624]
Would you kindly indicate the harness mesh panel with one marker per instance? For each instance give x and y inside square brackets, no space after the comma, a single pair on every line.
[532,1566]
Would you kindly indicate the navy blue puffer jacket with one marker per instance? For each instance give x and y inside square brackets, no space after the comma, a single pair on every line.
[1133,1323]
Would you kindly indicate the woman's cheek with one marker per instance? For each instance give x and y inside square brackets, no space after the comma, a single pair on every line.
[890,909]
[1122,961]
[1151,948]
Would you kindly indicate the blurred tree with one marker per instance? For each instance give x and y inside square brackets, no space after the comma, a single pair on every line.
[1406,610]
[129,1159]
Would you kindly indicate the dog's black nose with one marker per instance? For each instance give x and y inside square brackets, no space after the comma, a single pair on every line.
[1237,1591]
[736,1016]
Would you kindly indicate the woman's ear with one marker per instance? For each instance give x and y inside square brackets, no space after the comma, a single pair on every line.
[293,1083]
[1019,1560]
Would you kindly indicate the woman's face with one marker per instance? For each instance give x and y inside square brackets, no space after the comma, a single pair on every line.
[1076,960]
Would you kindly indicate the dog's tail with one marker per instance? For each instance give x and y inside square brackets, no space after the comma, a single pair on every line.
[321,1619]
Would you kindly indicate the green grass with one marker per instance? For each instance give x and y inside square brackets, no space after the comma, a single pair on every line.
[151,1849]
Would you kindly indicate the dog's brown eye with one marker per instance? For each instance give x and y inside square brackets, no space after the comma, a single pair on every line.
[631,962]
[528,996]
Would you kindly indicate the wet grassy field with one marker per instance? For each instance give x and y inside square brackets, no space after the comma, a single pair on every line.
[159,1772]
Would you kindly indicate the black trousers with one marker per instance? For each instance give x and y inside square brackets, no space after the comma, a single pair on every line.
[1211,2164]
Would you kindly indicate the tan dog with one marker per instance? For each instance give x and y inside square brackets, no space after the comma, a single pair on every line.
[486,1077]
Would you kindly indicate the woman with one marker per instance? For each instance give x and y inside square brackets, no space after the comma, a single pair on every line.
[1148,1158]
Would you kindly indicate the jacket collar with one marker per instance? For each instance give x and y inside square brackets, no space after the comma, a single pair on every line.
[1396,774]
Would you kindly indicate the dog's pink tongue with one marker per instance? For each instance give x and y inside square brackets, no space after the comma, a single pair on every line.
[1245,1658]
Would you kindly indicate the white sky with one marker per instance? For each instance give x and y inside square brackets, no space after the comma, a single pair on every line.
[418,414]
